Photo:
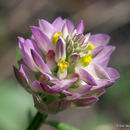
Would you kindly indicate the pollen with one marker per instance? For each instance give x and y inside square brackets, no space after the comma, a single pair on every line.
[85,60]
[63,65]
[56,37]
[90,47]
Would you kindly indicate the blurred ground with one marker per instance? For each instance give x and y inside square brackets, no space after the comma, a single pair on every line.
[102,16]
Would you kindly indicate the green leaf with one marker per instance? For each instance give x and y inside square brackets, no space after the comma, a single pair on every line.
[61,126]
[18,57]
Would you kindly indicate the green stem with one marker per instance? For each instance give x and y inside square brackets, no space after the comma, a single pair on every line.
[60,126]
[37,120]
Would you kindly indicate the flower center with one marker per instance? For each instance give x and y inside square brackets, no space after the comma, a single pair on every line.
[85,60]
[56,37]
[63,65]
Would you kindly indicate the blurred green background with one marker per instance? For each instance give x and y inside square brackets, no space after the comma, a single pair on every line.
[102,16]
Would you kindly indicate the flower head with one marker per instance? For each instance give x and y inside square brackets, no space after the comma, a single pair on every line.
[61,66]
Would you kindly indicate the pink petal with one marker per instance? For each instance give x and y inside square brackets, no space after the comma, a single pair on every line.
[58,24]
[112,73]
[42,40]
[99,39]
[103,56]
[97,71]
[60,52]
[26,53]
[40,62]
[70,25]
[85,76]
[50,59]
[46,27]
[80,27]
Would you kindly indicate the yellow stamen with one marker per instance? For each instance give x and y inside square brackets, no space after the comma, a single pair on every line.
[63,65]
[90,47]
[85,60]
[56,37]
[60,33]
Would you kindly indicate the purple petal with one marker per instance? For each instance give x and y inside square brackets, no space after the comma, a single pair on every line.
[46,88]
[80,27]
[40,62]
[86,38]
[67,82]
[103,56]
[28,44]
[74,58]
[99,39]
[21,79]
[21,42]
[60,52]
[85,76]
[96,51]
[63,75]
[73,75]
[65,31]
[70,25]
[42,40]
[64,84]
[81,90]
[50,59]
[46,27]
[40,105]
[55,80]
[67,93]
[52,79]
[36,87]
[85,101]
[36,48]
[58,105]
[26,54]
[113,73]
[27,74]
[103,84]
[51,108]
[97,71]
[58,24]
[97,92]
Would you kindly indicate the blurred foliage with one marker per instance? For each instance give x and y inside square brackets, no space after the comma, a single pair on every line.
[119,93]
[16,106]
[98,122]
[116,101]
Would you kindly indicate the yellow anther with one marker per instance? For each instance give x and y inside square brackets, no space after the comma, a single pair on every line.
[56,37]
[85,60]
[90,47]
[60,33]
[63,65]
